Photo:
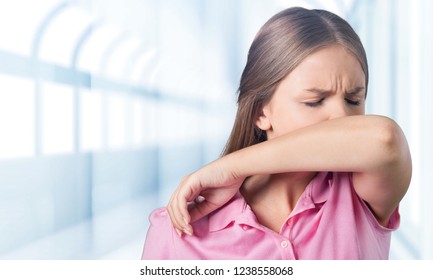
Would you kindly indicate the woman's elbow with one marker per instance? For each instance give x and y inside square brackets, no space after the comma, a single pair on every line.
[393,145]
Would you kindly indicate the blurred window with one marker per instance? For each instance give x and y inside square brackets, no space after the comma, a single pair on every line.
[60,38]
[17,111]
[57,118]
[91,120]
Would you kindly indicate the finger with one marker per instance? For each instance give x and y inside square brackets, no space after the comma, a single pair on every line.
[181,207]
[172,218]
[199,199]
[179,233]
[202,209]
[173,221]
[174,214]
[178,211]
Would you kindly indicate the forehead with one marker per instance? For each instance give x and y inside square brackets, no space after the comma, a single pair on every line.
[328,64]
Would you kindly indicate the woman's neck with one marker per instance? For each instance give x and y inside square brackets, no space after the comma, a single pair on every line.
[273,197]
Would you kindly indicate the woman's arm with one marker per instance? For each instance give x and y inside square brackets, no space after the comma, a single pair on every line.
[372,147]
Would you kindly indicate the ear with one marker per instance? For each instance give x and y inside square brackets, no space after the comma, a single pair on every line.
[263,122]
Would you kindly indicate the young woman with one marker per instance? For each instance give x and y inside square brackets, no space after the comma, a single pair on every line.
[305,174]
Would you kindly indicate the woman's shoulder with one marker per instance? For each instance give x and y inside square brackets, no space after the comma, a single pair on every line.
[158,213]
[342,183]
[160,218]
[220,218]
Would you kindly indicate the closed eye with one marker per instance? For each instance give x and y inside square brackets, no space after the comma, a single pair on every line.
[315,104]
[352,102]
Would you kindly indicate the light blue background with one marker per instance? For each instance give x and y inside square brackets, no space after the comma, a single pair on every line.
[106,105]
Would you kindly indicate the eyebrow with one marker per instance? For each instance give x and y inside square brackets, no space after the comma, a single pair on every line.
[318,91]
[353,91]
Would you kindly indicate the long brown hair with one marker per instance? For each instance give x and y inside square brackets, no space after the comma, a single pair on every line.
[279,46]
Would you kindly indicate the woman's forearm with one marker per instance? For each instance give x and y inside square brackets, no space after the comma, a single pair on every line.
[372,147]
[353,144]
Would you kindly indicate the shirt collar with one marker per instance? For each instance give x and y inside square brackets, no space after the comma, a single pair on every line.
[238,211]
[319,187]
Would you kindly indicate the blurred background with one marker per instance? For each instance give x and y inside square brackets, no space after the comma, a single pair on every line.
[106,105]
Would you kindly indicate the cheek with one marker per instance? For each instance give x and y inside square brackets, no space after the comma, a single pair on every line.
[307,117]
[294,120]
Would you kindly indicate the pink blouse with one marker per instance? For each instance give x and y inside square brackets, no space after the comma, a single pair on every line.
[329,221]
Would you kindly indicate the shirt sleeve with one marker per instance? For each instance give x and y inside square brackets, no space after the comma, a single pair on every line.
[394,220]
[159,244]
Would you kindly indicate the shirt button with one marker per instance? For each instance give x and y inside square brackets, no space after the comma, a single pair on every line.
[284,244]
[245,227]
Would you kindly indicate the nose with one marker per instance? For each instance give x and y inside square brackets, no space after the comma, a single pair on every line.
[338,110]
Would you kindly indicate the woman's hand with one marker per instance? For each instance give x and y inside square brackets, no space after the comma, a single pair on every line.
[202,192]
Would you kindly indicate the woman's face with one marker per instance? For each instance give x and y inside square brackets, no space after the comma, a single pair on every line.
[327,84]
